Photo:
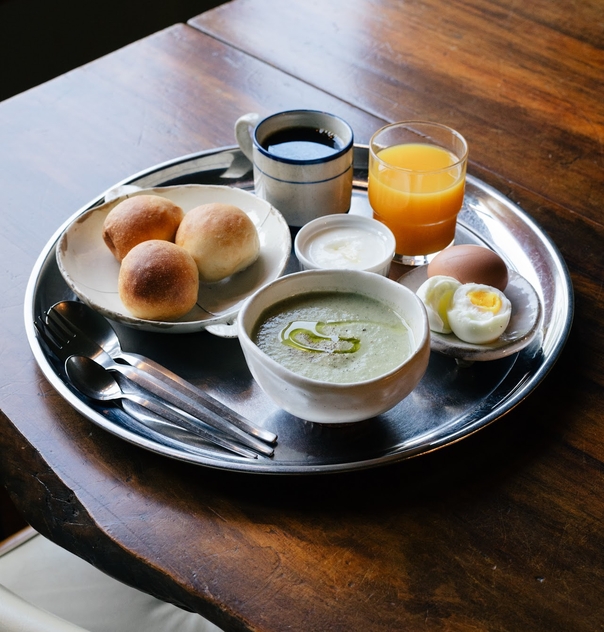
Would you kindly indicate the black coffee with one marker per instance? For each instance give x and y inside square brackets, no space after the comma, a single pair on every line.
[303,143]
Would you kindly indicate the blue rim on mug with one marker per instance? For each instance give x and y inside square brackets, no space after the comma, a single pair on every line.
[348,140]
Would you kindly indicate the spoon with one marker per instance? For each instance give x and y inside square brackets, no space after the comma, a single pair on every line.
[96,327]
[96,382]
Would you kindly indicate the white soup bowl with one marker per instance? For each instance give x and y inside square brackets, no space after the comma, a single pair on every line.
[328,402]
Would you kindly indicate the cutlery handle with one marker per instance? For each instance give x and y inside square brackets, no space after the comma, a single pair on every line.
[132,403]
[182,386]
[138,419]
[184,403]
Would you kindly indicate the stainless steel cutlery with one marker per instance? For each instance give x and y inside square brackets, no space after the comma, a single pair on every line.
[72,332]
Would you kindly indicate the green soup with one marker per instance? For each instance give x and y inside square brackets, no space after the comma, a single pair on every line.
[339,337]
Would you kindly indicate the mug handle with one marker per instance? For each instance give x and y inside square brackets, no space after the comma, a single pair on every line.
[243,133]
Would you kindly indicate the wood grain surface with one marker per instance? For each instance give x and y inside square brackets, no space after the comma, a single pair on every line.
[522,84]
[501,531]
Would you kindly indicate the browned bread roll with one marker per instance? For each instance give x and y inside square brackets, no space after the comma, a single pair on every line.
[221,238]
[158,280]
[138,219]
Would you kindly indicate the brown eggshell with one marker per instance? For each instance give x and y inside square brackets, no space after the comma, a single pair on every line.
[471,264]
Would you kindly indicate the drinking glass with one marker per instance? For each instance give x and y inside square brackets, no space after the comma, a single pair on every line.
[417,174]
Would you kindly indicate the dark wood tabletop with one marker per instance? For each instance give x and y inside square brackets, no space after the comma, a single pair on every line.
[500,531]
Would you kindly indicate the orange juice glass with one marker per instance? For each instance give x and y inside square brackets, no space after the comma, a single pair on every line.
[417,175]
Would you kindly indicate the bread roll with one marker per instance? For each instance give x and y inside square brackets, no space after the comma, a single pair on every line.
[221,238]
[138,219]
[158,280]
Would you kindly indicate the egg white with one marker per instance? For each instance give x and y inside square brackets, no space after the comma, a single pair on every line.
[437,293]
[479,314]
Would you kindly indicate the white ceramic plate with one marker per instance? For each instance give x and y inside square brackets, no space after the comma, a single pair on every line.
[91,271]
[524,323]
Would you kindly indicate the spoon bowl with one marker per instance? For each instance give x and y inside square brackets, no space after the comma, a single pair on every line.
[91,379]
[92,324]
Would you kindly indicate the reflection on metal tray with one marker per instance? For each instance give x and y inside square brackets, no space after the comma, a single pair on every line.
[449,403]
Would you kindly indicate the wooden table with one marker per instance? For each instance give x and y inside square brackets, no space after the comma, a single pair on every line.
[501,531]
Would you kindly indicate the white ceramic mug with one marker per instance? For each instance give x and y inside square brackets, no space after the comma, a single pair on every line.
[302,162]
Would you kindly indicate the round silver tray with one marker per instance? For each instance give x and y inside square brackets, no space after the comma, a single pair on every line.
[450,402]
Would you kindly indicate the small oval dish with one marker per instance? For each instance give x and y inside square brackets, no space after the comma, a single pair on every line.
[345,242]
[524,324]
[331,402]
[91,271]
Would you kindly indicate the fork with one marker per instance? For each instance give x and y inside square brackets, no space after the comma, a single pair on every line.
[64,341]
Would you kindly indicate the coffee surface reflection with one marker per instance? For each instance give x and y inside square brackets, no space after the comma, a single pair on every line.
[303,143]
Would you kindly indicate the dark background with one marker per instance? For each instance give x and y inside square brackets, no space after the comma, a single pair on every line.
[40,39]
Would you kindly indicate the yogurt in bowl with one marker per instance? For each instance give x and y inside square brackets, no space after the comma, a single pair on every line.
[345,242]
[335,346]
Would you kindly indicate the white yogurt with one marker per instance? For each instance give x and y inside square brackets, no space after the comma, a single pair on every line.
[345,242]
[347,248]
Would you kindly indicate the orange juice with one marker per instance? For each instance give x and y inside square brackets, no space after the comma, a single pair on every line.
[417,190]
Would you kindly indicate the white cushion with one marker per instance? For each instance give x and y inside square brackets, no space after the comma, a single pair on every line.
[18,615]
[50,578]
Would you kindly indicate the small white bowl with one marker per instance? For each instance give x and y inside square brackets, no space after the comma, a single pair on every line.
[345,242]
[327,402]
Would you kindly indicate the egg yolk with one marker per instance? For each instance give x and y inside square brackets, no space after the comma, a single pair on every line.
[488,301]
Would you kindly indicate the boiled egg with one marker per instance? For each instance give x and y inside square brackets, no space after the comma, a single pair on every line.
[437,294]
[478,313]
[470,264]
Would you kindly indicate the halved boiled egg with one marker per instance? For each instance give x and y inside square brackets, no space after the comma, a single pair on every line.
[479,313]
[437,294]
